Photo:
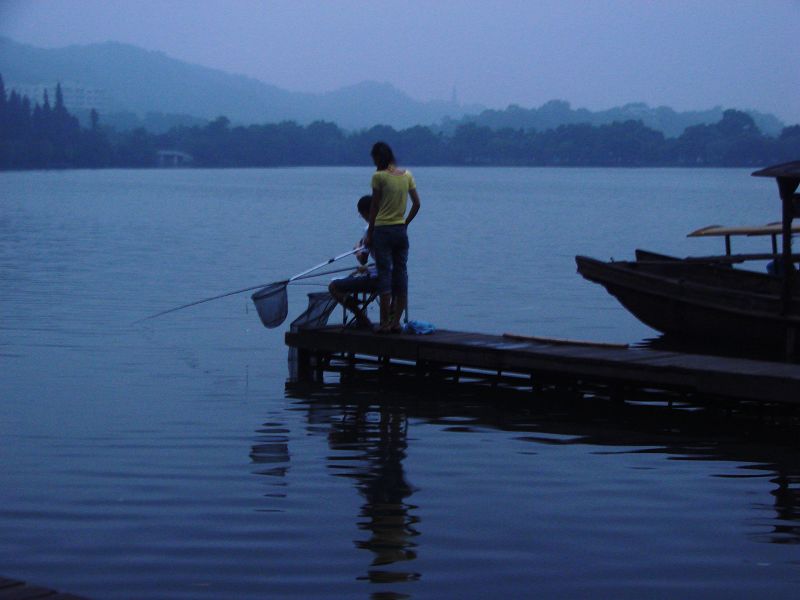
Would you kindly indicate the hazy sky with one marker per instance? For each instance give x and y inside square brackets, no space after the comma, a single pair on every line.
[688,54]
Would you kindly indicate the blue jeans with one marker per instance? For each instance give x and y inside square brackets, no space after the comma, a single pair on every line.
[390,244]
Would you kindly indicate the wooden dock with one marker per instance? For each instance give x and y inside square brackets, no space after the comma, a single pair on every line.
[540,363]
[12,589]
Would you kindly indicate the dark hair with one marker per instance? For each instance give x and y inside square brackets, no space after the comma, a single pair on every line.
[364,204]
[383,155]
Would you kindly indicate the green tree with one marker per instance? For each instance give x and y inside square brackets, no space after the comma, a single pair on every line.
[470,145]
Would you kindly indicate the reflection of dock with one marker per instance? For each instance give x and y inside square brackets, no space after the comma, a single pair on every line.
[619,371]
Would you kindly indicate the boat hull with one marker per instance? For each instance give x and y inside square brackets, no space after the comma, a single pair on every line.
[707,303]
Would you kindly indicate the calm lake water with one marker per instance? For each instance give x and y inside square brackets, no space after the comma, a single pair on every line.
[170,459]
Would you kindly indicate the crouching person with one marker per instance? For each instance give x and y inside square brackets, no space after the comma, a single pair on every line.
[363,280]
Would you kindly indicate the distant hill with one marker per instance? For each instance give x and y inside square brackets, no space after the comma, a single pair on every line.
[135,87]
[558,112]
[133,80]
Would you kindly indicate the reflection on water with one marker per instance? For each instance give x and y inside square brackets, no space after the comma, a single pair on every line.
[377,437]
[787,500]
[367,431]
[271,454]
[368,443]
[166,461]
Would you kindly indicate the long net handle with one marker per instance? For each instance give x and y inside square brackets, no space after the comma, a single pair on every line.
[322,264]
[247,289]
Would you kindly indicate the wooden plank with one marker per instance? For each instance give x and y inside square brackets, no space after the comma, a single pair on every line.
[567,359]
[727,364]
[460,342]
[445,336]
[737,378]
[582,353]
[562,341]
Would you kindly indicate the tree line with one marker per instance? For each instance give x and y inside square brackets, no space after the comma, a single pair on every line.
[42,136]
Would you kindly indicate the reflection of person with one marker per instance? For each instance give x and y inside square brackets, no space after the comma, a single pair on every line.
[377,448]
[387,234]
[365,279]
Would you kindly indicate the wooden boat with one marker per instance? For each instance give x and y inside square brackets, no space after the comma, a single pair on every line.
[707,298]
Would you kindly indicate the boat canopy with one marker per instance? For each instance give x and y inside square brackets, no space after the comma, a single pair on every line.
[748,230]
[790,170]
[771,229]
[788,177]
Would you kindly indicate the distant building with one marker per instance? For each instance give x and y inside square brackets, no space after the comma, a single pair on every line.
[77,97]
[174,158]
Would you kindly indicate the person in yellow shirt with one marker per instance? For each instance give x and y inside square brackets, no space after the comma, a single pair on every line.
[387,233]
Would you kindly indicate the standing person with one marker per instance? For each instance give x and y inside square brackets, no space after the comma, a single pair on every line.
[387,235]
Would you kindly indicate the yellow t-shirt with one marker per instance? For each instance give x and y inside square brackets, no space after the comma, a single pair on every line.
[393,186]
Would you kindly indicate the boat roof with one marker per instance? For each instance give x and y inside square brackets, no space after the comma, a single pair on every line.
[789,170]
[719,230]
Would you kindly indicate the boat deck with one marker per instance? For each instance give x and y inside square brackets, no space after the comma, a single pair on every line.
[539,361]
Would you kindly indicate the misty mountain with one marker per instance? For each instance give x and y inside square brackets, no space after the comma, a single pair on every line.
[558,112]
[133,80]
[144,88]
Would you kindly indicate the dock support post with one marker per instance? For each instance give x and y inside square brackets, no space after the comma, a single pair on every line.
[420,368]
[303,365]
[617,394]
[310,365]
[321,360]
[791,341]
[497,379]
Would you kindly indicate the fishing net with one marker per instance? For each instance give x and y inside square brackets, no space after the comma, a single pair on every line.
[320,307]
[272,304]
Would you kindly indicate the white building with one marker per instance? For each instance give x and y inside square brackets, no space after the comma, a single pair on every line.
[77,97]
[174,158]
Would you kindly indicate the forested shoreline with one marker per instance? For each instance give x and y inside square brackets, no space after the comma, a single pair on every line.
[47,136]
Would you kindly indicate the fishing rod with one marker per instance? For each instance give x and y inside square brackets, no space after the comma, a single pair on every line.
[283,283]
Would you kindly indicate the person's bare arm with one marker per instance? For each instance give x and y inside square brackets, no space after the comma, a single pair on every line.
[415,204]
